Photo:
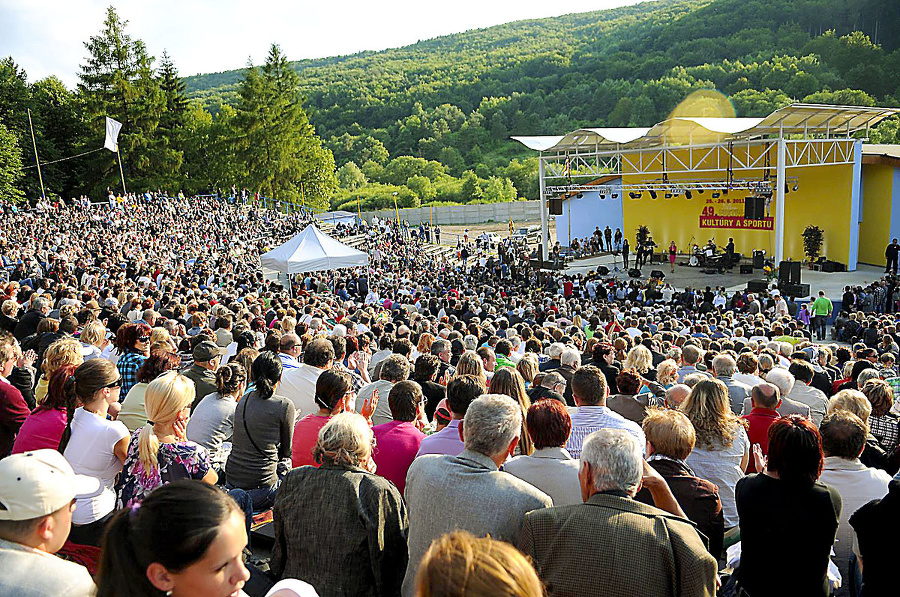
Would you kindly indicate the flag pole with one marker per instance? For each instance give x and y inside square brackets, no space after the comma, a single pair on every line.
[121,172]
[36,159]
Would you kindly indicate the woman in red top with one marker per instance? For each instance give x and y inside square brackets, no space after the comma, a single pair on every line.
[45,425]
[334,395]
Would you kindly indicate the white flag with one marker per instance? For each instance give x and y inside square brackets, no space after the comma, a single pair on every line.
[112,134]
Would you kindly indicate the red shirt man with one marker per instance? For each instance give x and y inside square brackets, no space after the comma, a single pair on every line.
[765,399]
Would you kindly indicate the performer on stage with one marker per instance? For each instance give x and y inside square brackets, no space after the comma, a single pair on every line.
[624,252]
[891,253]
[673,252]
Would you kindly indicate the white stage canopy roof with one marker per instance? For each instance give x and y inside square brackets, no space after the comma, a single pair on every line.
[796,119]
[311,251]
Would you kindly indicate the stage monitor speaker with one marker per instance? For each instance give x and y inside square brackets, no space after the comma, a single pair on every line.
[789,272]
[757,285]
[833,266]
[794,290]
[634,273]
[795,272]
[759,259]
[555,206]
[658,274]
[746,268]
[603,270]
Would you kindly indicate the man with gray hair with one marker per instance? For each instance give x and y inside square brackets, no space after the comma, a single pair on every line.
[569,362]
[468,492]
[676,395]
[553,351]
[784,381]
[666,555]
[725,367]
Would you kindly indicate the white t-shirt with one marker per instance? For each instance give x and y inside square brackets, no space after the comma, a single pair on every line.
[90,452]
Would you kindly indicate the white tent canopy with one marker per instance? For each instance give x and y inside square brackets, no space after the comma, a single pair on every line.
[311,251]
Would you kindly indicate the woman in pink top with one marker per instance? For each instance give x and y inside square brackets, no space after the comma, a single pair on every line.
[45,425]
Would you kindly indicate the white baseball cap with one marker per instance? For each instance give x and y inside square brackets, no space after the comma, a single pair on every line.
[35,484]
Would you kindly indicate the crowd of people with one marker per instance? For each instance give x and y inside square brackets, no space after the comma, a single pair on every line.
[422,426]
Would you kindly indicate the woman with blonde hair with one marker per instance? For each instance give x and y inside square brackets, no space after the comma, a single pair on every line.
[159,452]
[528,367]
[65,351]
[508,382]
[93,340]
[470,364]
[640,360]
[425,341]
[883,424]
[459,564]
[722,452]
[161,335]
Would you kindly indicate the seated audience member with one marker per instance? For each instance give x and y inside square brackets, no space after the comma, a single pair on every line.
[212,423]
[133,346]
[13,409]
[670,439]
[590,392]
[765,399]
[804,393]
[610,529]
[37,498]
[508,382]
[459,564]
[334,395]
[202,372]
[95,446]
[628,402]
[397,442]
[64,351]
[569,362]
[425,373]
[133,413]
[724,367]
[691,355]
[461,391]
[788,489]
[843,440]
[395,368]
[552,385]
[263,427]
[722,451]
[784,381]
[299,383]
[468,492]
[676,395]
[160,452]
[884,425]
[549,468]
[45,425]
[186,538]
[876,526]
[364,549]
[854,401]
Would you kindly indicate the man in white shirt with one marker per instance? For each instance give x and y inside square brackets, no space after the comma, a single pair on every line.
[843,441]
[289,348]
[299,384]
[812,397]
[37,495]
[590,392]
[748,367]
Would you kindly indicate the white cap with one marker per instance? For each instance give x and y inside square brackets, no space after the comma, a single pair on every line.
[39,483]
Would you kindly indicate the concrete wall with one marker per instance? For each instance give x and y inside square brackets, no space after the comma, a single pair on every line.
[517,211]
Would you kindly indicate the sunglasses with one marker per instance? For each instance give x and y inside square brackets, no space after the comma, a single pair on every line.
[114,384]
[143,339]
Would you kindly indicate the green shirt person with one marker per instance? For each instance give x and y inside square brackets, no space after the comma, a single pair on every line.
[821,310]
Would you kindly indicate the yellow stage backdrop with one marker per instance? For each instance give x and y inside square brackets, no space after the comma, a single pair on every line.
[875,228]
[823,198]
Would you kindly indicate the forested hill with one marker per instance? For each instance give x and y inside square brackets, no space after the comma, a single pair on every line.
[457,99]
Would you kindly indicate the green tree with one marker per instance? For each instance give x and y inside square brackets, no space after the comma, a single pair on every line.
[10,167]
[499,190]
[422,187]
[471,187]
[350,176]
[174,90]
[284,157]
[841,97]
[118,80]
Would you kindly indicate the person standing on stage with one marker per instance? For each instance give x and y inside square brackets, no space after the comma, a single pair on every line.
[891,253]
[618,239]
[607,234]
[625,252]
[821,310]
[673,251]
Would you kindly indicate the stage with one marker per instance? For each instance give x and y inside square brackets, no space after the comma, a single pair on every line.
[686,276]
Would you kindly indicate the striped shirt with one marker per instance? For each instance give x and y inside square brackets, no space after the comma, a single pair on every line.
[588,419]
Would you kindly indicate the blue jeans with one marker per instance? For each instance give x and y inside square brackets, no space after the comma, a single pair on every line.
[254,500]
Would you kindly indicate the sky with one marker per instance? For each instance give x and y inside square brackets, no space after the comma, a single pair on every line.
[46,37]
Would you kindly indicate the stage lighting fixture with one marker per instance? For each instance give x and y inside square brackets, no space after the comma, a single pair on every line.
[602,196]
[724,191]
[795,187]
[615,195]
[787,189]
[579,196]
[653,194]
[688,194]
[634,195]
[700,191]
[668,195]
[716,194]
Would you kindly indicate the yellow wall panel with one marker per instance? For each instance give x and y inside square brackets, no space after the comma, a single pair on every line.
[874,231]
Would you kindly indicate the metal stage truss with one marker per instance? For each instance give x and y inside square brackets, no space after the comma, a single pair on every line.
[799,135]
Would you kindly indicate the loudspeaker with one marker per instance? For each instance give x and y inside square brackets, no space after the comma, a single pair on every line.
[757,285]
[795,272]
[603,270]
[833,266]
[749,207]
[794,290]
[789,272]
[658,274]
[759,259]
[746,268]
[555,206]
[634,273]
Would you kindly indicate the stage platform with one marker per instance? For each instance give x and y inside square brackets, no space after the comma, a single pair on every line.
[685,276]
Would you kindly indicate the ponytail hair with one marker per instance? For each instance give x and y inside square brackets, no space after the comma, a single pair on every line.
[166,397]
[80,387]
[174,526]
[229,378]
[266,371]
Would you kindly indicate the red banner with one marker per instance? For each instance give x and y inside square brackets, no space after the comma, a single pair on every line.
[736,223]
